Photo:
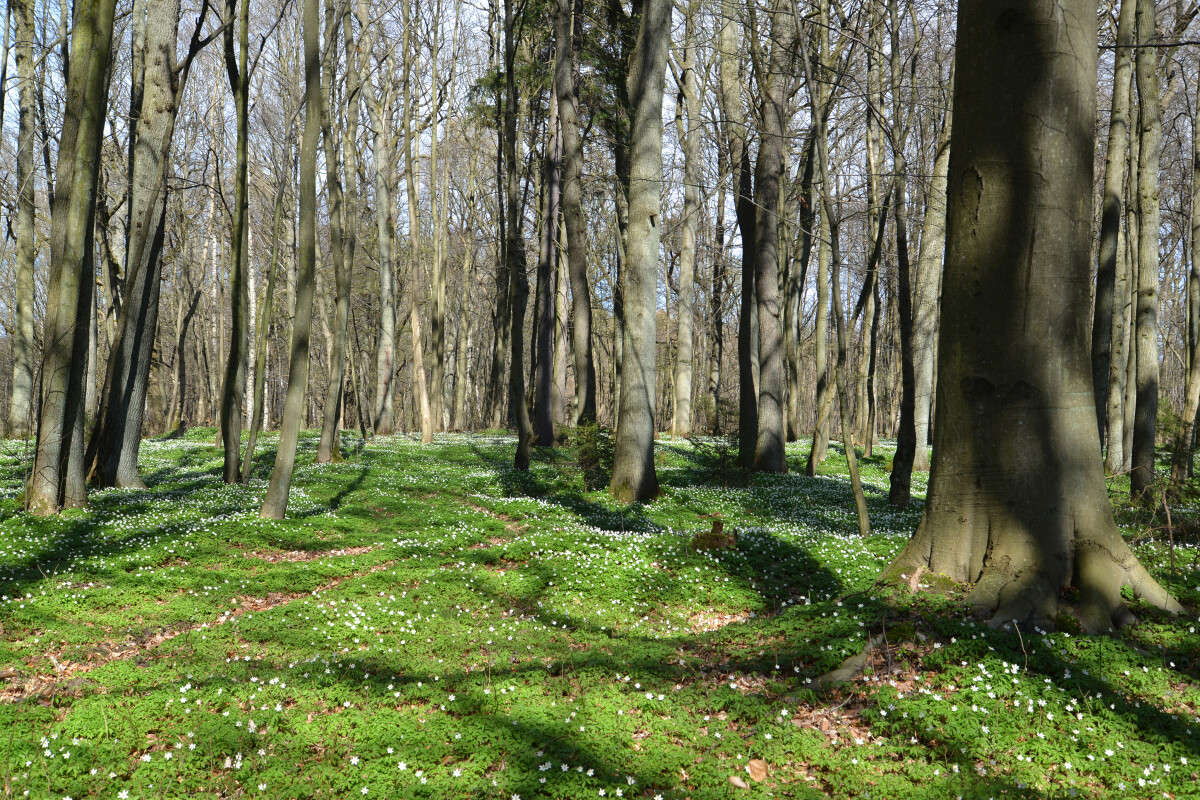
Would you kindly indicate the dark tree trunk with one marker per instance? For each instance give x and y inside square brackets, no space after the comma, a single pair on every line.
[1017,503]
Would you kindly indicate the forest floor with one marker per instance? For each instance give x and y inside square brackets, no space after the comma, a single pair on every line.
[430,623]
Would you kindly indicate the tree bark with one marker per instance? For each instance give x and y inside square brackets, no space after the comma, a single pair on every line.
[514,249]
[54,481]
[420,385]
[572,210]
[634,478]
[900,490]
[769,454]
[342,222]
[1181,462]
[1145,419]
[547,274]
[1103,320]
[928,286]
[1017,503]
[681,421]
[20,416]
[275,502]
[736,134]
[113,452]
[233,387]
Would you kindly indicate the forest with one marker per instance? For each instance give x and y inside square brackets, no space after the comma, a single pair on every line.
[648,398]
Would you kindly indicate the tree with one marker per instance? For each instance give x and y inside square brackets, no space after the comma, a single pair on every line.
[572,212]
[275,502]
[633,477]
[689,132]
[769,455]
[342,221]
[21,403]
[1145,417]
[113,451]
[233,387]
[57,478]
[1017,504]
[1108,333]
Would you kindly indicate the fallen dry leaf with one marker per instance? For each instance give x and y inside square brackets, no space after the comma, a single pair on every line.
[757,769]
[737,781]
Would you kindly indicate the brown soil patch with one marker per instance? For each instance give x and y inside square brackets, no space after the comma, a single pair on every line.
[66,678]
[709,621]
[298,556]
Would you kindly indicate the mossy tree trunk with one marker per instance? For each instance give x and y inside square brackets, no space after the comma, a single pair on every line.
[1017,503]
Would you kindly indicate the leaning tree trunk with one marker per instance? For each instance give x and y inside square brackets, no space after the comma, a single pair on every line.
[68,305]
[275,502]
[1145,418]
[20,416]
[1017,503]
[633,477]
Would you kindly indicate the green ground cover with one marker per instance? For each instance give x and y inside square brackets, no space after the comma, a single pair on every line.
[430,623]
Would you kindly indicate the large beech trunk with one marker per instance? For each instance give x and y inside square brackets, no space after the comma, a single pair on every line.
[1017,503]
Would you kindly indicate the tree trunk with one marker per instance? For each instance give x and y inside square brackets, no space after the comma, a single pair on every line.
[1017,503]
[1110,218]
[928,286]
[547,273]
[378,104]
[514,248]
[20,417]
[260,338]
[342,222]
[744,207]
[113,452]
[420,386]
[634,478]
[769,455]
[572,210]
[233,387]
[1145,419]
[900,490]
[681,421]
[821,102]
[54,481]
[1181,462]
[275,502]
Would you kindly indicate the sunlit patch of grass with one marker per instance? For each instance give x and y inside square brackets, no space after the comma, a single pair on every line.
[429,622]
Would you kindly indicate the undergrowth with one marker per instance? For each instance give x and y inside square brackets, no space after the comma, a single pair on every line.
[430,623]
